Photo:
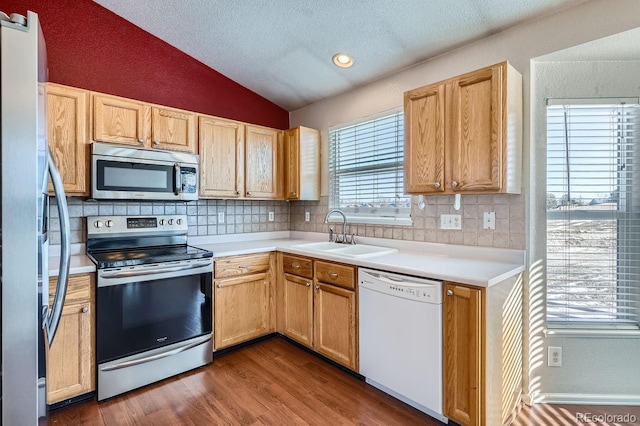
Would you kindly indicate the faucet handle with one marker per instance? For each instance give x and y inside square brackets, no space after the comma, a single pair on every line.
[353,239]
[331,236]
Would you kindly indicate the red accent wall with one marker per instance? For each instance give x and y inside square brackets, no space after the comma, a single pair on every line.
[92,48]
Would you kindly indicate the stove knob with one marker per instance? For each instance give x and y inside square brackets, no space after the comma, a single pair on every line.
[98,224]
[161,221]
[170,222]
[109,223]
[179,221]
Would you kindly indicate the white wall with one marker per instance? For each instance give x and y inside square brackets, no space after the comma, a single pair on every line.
[602,368]
[586,22]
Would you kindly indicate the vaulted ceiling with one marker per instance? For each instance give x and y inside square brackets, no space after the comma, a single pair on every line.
[282,49]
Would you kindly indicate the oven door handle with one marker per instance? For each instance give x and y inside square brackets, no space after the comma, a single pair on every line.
[150,358]
[155,270]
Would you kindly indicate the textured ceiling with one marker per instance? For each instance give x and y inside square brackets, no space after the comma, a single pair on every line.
[282,49]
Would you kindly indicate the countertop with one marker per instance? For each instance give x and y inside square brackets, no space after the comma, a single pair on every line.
[478,266]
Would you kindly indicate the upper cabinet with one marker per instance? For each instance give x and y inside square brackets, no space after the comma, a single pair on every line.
[68,135]
[262,162]
[125,121]
[120,120]
[239,160]
[221,158]
[302,164]
[464,135]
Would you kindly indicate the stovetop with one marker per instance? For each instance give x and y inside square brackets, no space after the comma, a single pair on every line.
[112,258]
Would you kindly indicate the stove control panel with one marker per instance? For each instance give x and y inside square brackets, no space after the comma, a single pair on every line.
[155,224]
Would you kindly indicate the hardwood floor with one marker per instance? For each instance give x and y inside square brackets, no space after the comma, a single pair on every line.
[272,382]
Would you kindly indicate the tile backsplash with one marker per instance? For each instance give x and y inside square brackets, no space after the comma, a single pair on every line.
[509,210]
[241,216]
[244,216]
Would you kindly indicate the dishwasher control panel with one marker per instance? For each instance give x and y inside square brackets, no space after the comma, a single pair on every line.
[403,286]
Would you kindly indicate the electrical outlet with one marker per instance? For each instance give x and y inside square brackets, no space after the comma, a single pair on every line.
[220,217]
[450,221]
[554,356]
[272,217]
[307,216]
[489,221]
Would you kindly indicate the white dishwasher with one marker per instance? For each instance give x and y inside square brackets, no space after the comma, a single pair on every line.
[401,337]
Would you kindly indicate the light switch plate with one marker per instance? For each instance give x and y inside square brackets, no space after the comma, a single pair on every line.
[220,217]
[307,216]
[271,216]
[489,220]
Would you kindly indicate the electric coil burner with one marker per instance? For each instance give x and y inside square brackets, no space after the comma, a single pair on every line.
[153,300]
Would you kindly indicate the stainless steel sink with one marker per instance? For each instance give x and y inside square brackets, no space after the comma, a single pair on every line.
[355,250]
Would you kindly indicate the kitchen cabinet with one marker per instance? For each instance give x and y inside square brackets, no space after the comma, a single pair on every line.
[302,164]
[239,160]
[262,162]
[129,122]
[318,307]
[221,145]
[243,298]
[464,135]
[482,350]
[68,134]
[70,360]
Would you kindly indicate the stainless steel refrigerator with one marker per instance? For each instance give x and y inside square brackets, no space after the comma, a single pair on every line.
[29,323]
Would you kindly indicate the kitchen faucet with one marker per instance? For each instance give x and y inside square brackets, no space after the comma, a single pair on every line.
[344,228]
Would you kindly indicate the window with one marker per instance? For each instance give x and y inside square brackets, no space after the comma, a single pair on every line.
[593,213]
[366,171]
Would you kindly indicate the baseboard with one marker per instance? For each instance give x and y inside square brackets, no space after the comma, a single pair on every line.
[587,399]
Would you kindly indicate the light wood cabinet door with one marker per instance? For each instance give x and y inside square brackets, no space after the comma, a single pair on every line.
[174,129]
[424,118]
[261,162]
[302,164]
[241,309]
[233,266]
[120,120]
[221,146]
[463,354]
[475,138]
[68,134]
[298,309]
[70,360]
[335,324]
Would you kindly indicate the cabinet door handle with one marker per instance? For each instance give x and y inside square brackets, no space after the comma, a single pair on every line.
[141,141]
[436,185]
[293,194]
[454,184]
[243,266]
[308,284]
[295,266]
[219,285]
[156,143]
[248,193]
[317,287]
[237,192]
[333,274]
[85,310]
[449,292]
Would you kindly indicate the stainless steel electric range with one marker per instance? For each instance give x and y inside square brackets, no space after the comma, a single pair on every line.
[153,300]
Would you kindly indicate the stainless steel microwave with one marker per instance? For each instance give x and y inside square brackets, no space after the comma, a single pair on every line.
[120,172]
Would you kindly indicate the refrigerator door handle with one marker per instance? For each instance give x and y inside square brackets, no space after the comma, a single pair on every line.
[52,319]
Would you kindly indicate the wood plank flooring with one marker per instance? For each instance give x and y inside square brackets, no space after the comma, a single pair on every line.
[272,382]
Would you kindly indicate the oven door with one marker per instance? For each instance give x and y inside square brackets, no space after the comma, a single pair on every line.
[145,307]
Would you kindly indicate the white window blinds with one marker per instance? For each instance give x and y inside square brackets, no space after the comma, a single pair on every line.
[366,169]
[593,214]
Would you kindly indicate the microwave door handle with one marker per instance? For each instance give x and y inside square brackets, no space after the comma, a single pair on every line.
[176,179]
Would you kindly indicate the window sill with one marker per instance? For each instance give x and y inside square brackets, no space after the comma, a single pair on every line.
[363,220]
[629,332]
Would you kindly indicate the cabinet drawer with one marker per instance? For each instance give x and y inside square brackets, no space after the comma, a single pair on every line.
[297,266]
[78,289]
[333,273]
[239,265]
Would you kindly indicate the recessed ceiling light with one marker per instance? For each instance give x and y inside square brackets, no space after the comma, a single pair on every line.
[343,60]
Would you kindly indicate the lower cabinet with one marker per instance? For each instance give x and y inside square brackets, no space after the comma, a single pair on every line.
[318,307]
[70,360]
[482,352]
[243,298]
